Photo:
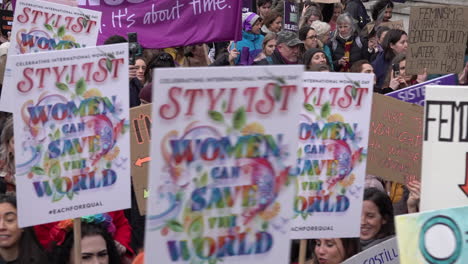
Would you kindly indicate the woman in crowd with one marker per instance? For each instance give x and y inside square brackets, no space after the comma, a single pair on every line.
[382,11]
[162,60]
[251,44]
[268,47]
[310,14]
[7,157]
[397,78]
[377,218]
[335,250]
[264,7]
[309,37]
[395,42]
[323,35]
[196,56]
[337,11]
[346,46]
[272,23]
[18,245]
[97,245]
[140,65]
[136,84]
[315,57]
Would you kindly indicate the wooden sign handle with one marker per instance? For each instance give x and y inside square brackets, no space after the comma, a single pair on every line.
[302,251]
[77,240]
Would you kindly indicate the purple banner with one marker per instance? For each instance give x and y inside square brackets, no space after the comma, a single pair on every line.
[247,6]
[416,94]
[291,16]
[169,23]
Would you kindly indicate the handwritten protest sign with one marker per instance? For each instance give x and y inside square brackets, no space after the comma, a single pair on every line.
[433,237]
[416,93]
[6,21]
[40,26]
[385,252]
[437,39]
[223,151]
[399,24]
[140,140]
[395,141]
[71,133]
[331,165]
[445,161]
[177,22]
[291,16]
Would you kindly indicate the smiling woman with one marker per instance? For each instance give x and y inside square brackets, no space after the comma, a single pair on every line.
[17,245]
[334,250]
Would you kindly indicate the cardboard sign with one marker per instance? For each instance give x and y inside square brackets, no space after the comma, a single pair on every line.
[393,24]
[195,21]
[416,93]
[437,39]
[433,237]
[395,141]
[6,21]
[71,133]
[331,165]
[385,252]
[290,16]
[220,172]
[140,141]
[445,160]
[55,27]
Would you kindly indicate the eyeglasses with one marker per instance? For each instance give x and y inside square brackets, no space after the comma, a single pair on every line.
[312,37]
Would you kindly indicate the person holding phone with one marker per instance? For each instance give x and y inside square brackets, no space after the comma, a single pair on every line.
[397,77]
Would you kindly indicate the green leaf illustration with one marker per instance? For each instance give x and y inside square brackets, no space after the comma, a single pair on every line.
[61,86]
[55,171]
[110,55]
[48,27]
[108,65]
[204,179]
[175,226]
[38,170]
[277,92]
[67,78]
[216,116]
[315,100]
[85,22]
[61,31]
[326,109]
[309,107]
[239,119]
[224,106]
[57,134]
[80,87]
[196,227]
[354,92]
[299,153]
[265,226]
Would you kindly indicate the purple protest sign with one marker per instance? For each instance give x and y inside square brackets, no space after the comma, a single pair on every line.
[290,17]
[416,94]
[247,6]
[169,23]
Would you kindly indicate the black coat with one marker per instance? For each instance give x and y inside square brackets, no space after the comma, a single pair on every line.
[357,52]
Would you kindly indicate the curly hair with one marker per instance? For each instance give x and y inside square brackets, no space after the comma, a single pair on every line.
[62,252]
[7,156]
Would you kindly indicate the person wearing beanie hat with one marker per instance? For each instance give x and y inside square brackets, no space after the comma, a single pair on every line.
[315,56]
[323,35]
[251,44]
[287,49]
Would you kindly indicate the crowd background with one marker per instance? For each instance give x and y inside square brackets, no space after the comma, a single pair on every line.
[341,37]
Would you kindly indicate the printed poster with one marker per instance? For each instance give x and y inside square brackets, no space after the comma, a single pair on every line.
[220,190]
[433,237]
[291,16]
[444,173]
[332,153]
[384,252]
[71,133]
[40,26]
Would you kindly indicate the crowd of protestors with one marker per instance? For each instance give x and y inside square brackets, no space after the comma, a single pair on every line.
[332,37]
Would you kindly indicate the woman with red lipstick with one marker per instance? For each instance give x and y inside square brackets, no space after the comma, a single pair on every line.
[335,250]
[377,221]
[17,245]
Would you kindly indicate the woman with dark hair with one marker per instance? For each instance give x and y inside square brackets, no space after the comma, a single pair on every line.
[18,245]
[7,157]
[346,45]
[335,250]
[162,60]
[97,246]
[395,42]
[377,218]
[272,23]
[398,79]
[382,11]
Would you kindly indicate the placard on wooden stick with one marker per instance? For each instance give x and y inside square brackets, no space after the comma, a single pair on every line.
[437,39]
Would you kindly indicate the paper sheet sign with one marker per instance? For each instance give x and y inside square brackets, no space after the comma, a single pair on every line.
[333,134]
[444,182]
[220,190]
[433,237]
[385,253]
[395,141]
[140,141]
[71,133]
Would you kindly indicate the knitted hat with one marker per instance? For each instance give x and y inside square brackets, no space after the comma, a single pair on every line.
[248,20]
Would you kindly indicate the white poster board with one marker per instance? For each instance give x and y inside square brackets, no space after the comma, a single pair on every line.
[71,130]
[445,149]
[219,185]
[385,252]
[330,171]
